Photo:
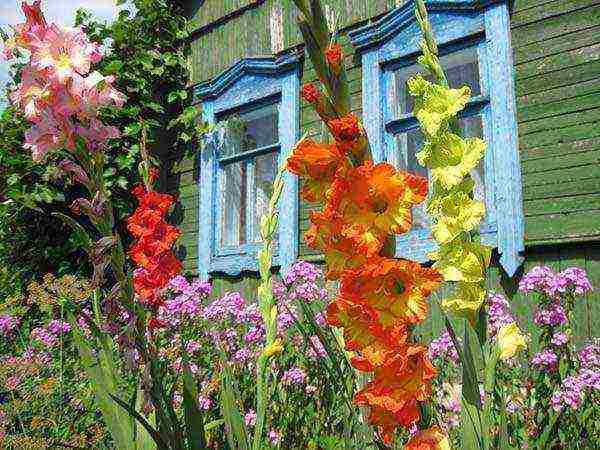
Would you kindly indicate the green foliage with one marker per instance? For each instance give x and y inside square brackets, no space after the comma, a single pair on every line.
[148,53]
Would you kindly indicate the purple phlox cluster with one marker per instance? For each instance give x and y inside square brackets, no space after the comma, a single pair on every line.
[59,327]
[8,325]
[192,347]
[559,338]
[443,347]
[545,281]
[449,399]
[250,418]
[274,437]
[316,349]
[231,306]
[545,360]
[255,334]
[572,392]
[44,337]
[552,315]
[499,313]
[196,288]
[303,271]
[286,317]
[512,406]
[578,279]
[242,356]
[294,375]
[589,355]
[320,319]
[204,403]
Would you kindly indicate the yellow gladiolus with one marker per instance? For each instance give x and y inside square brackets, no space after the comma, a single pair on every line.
[274,348]
[510,341]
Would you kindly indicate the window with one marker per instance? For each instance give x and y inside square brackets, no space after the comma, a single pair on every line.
[254,106]
[474,42]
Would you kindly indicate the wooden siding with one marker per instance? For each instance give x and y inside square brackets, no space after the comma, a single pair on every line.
[557,66]
[556,46]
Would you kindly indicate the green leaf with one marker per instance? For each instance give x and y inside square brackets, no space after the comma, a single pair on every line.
[194,419]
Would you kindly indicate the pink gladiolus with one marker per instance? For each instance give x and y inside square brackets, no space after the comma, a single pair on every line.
[64,52]
[48,135]
[34,28]
[32,94]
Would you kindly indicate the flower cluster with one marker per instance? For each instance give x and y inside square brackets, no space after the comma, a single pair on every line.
[57,92]
[454,211]
[545,281]
[573,390]
[443,347]
[152,253]
[8,325]
[380,298]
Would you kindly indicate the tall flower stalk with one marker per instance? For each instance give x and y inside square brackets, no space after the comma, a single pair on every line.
[364,204]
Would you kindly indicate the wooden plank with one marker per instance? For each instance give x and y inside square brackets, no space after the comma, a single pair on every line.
[553,228]
[567,204]
[548,10]
[565,161]
[592,259]
[571,133]
[562,189]
[559,121]
[557,79]
[558,61]
[561,148]
[555,26]
[557,44]
[559,107]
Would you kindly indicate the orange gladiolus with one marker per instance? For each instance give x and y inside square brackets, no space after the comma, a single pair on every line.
[430,439]
[398,387]
[346,129]
[374,201]
[310,93]
[333,56]
[316,164]
[396,289]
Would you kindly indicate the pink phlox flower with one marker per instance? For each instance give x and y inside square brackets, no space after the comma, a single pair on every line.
[310,389]
[241,356]
[316,349]
[59,327]
[551,315]
[44,337]
[545,360]
[250,418]
[12,383]
[559,339]
[8,325]
[443,347]
[589,355]
[204,403]
[294,375]
[255,334]
[578,280]
[499,313]
[274,437]
[537,280]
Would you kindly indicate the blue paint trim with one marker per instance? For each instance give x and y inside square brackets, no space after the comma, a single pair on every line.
[505,141]
[244,67]
[390,24]
[392,42]
[248,83]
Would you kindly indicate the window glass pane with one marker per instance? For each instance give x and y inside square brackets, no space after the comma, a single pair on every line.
[412,142]
[233,204]
[462,68]
[251,129]
[265,170]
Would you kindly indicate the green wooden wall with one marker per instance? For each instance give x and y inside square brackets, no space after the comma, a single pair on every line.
[557,66]
[557,74]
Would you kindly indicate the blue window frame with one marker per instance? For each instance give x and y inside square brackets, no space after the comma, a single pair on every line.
[474,42]
[258,100]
